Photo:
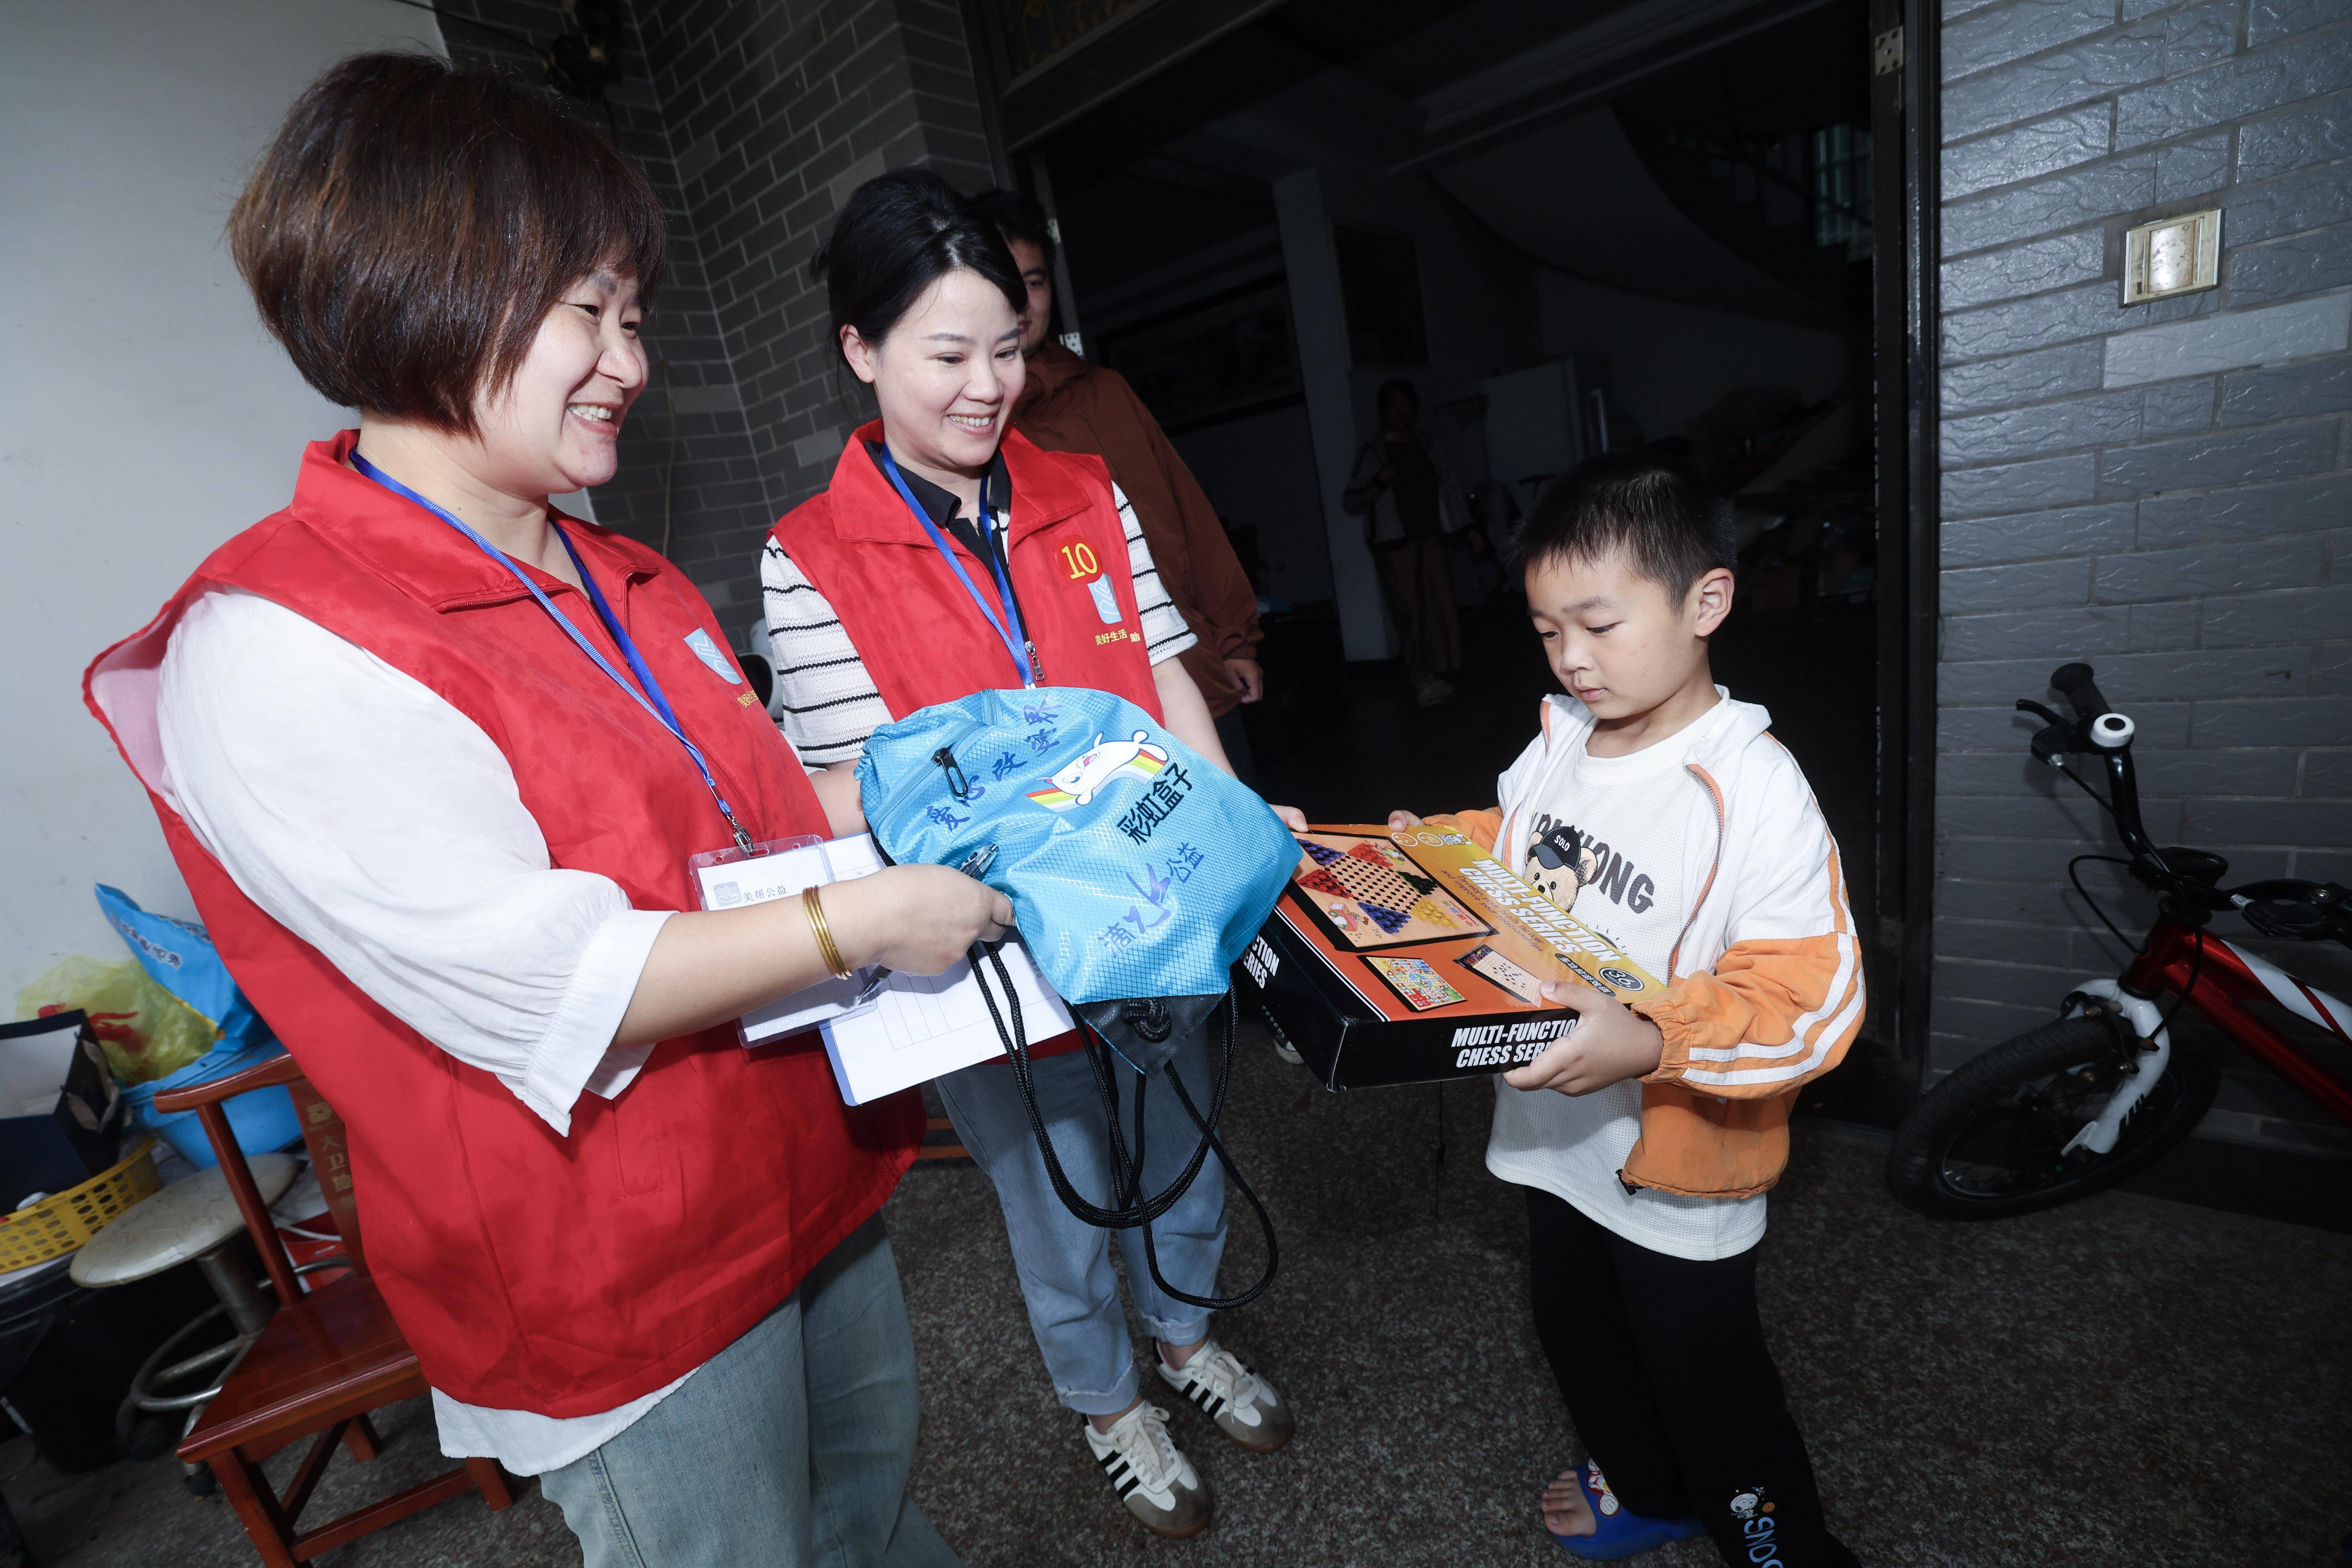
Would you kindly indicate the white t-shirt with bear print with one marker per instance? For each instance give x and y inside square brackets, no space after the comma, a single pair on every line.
[1607,846]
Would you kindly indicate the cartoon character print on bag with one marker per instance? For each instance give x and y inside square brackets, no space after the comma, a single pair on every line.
[1078,784]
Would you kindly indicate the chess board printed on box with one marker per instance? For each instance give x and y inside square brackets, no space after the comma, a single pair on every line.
[1407,957]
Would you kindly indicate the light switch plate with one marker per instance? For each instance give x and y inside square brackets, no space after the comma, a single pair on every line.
[2172,255]
[1886,51]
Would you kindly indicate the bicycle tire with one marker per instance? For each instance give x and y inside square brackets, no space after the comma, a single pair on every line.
[1947,1160]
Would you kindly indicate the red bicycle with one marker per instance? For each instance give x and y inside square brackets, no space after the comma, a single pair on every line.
[2078,1104]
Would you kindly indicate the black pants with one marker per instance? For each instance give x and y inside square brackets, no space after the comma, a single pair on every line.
[1663,1363]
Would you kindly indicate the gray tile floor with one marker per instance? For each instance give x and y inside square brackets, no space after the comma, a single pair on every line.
[2126,1382]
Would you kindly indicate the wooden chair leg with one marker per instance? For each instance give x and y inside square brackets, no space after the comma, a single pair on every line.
[307,1477]
[363,1439]
[247,1490]
[488,1476]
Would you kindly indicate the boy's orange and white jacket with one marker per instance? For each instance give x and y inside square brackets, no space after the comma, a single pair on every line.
[1764,986]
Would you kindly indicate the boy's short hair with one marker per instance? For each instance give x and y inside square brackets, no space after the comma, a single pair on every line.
[413,224]
[1672,528]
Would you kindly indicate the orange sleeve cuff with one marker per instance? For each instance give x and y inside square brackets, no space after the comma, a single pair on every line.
[1674,1026]
[1481,827]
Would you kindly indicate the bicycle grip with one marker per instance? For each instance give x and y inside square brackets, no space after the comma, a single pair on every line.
[2073,681]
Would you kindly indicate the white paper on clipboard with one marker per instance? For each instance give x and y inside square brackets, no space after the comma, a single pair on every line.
[783,868]
[917,1028]
[912,1028]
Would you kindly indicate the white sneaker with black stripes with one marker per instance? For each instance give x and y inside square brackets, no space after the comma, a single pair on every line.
[1243,1404]
[1154,1478]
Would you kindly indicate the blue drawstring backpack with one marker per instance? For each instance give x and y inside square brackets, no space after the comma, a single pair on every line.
[1137,873]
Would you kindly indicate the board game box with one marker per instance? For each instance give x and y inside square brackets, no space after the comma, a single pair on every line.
[1414,956]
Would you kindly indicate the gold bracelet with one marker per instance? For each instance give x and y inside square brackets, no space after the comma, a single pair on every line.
[814,909]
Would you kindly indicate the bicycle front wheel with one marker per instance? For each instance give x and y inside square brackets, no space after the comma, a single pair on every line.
[1990,1140]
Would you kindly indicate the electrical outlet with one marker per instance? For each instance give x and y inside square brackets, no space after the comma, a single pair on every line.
[2172,255]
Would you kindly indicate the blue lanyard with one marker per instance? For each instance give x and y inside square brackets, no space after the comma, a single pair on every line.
[1014,636]
[651,698]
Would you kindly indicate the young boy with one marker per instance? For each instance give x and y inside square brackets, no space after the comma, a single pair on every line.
[1661,813]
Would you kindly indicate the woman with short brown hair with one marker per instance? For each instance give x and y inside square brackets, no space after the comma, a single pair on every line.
[433,758]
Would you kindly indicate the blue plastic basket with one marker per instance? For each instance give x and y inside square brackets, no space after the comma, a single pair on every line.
[262,1120]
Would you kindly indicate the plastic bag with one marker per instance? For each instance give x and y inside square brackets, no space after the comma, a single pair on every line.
[146,1031]
[179,956]
[1135,869]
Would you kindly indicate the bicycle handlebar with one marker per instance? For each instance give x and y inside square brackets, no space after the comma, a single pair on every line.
[2074,682]
[2302,911]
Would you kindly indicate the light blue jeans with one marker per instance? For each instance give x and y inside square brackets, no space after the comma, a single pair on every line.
[1063,1263]
[790,1447]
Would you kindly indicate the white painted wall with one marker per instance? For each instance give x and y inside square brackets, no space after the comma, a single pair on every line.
[1480,305]
[1669,363]
[145,415]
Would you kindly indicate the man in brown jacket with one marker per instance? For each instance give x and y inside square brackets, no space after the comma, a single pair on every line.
[1070,406]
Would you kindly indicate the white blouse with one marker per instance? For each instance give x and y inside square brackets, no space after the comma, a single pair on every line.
[369,817]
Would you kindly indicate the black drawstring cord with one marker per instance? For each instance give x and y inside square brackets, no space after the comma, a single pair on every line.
[1131,1210]
[1209,1137]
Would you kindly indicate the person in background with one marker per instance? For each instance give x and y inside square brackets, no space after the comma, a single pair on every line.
[433,758]
[950,555]
[1407,497]
[1665,815]
[1069,406]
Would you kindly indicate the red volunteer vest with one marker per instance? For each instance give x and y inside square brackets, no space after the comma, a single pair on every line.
[921,636]
[531,1271]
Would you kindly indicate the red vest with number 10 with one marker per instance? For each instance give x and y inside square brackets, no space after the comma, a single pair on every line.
[920,635]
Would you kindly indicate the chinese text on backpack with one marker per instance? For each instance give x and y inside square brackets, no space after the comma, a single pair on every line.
[1137,873]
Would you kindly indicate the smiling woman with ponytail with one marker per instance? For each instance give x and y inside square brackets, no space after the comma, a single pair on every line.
[947,556]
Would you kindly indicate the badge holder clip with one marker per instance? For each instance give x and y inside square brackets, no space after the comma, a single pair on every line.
[734,878]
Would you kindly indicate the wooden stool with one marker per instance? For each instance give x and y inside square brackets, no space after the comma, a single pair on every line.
[197,1221]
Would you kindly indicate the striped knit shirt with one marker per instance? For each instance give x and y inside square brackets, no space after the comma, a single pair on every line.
[827,704]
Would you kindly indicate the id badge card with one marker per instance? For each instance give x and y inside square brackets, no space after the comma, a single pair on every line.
[733,879]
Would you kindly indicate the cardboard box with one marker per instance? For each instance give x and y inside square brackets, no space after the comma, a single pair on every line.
[1415,957]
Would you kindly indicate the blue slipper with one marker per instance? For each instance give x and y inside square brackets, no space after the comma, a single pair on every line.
[1622,1533]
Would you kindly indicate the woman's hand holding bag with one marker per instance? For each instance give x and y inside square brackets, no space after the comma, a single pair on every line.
[915,918]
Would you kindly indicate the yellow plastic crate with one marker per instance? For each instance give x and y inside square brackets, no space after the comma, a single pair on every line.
[61,1224]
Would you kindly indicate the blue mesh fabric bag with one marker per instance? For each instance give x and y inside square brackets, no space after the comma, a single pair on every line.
[1136,869]
[1137,873]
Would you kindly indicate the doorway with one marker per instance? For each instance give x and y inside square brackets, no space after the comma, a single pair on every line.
[1669,225]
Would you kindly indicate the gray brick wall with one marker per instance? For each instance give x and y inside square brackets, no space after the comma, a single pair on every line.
[2161,490]
[777,110]
[755,118]
[685,452]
